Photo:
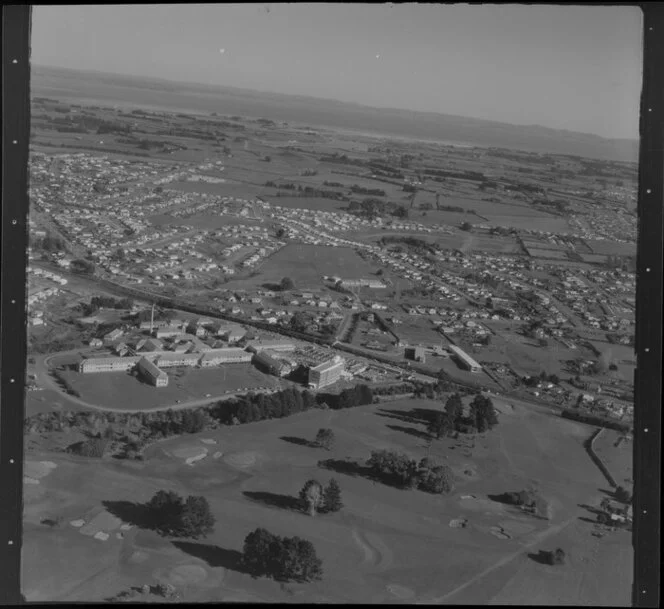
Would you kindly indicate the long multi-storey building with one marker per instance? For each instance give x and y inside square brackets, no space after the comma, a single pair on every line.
[271,345]
[108,364]
[464,359]
[171,360]
[271,363]
[228,355]
[326,373]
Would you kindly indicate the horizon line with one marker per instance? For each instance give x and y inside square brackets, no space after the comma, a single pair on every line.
[635,139]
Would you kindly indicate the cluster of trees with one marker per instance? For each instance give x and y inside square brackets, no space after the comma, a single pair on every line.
[48,243]
[413,242]
[529,498]
[555,557]
[359,395]
[482,416]
[400,212]
[533,381]
[400,470]
[283,558]
[107,302]
[94,447]
[463,175]
[307,191]
[315,498]
[360,190]
[82,267]
[286,284]
[171,514]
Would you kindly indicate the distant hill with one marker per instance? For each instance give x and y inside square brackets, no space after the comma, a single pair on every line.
[156,93]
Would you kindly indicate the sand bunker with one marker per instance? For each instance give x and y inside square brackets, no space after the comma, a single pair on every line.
[400,591]
[101,536]
[27,480]
[77,523]
[244,459]
[187,574]
[126,527]
[217,455]
[198,457]
[459,523]
[38,469]
[208,441]
[101,522]
[499,532]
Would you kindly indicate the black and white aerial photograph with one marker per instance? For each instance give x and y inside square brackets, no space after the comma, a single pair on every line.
[331,303]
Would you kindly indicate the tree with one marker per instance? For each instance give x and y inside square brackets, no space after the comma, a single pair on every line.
[440,425]
[286,284]
[257,550]
[332,497]
[622,494]
[196,519]
[434,478]
[311,496]
[165,509]
[483,413]
[454,407]
[325,438]
[558,556]
[467,226]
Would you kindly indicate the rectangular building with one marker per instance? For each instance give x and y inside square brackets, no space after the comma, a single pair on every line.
[171,360]
[326,373]
[107,364]
[151,372]
[464,360]
[113,334]
[272,345]
[417,354]
[228,355]
[271,363]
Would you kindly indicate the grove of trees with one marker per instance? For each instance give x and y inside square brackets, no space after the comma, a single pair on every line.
[315,498]
[171,514]
[400,470]
[282,558]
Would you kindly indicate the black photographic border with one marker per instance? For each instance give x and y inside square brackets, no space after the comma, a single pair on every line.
[16,22]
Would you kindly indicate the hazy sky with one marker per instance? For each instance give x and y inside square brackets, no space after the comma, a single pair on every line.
[565,67]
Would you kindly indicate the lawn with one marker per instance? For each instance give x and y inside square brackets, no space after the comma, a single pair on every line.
[124,391]
[386,545]
[307,264]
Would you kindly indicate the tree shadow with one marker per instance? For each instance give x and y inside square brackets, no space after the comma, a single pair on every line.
[414,415]
[592,509]
[136,514]
[284,502]
[351,468]
[298,441]
[609,493]
[542,557]
[214,556]
[411,431]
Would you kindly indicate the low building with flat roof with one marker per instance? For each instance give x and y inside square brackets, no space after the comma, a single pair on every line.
[464,360]
[270,362]
[272,345]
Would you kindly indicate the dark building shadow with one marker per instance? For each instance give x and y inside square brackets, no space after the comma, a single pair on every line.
[214,556]
[298,441]
[132,513]
[411,431]
[284,502]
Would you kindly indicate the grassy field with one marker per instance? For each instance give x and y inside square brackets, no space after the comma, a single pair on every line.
[306,265]
[385,546]
[121,390]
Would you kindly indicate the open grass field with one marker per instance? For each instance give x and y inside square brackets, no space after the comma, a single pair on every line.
[124,391]
[385,546]
[307,264]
